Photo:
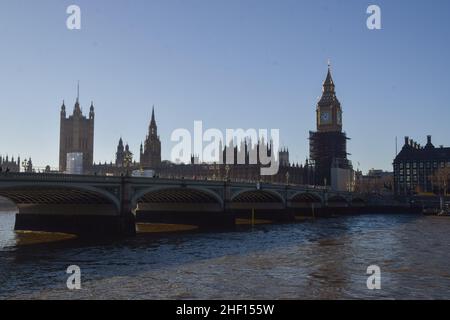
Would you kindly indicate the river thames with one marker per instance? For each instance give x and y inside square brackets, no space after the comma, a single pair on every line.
[320,259]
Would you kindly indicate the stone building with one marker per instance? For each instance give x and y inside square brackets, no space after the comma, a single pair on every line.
[123,164]
[328,144]
[11,165]
[124,157]
[77,136]
[150,152]
[416,165]
[240,171]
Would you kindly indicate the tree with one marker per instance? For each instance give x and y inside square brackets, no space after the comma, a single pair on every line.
[441,180]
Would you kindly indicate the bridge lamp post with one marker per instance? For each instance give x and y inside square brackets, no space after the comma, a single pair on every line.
[287,178]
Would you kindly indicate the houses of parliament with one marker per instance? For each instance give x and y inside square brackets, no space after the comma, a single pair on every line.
[328,155]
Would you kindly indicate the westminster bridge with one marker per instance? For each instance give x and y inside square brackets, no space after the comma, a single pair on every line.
[103,205]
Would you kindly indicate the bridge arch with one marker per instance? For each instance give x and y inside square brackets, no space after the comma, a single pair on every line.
[257,196]
[337,200]
[175,194]
[56,194]
[358,201]
[306,197]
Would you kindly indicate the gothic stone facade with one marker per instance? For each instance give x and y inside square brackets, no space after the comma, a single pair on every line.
[77,136]
[150,158]
[328,145]
[150,153]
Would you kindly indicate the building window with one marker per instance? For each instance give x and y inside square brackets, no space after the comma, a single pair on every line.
[415,165]
[401,172]
[435,164]
[407,165]
[428,165]
[421,165]
[401,165]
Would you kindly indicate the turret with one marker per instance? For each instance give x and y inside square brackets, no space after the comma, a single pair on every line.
[120,153]
[63,110]
[151,152]
[91,111]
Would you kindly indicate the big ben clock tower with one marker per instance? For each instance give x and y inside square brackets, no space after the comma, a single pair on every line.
[329,112]
[328,145]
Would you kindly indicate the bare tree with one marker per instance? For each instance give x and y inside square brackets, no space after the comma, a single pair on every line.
[441,180]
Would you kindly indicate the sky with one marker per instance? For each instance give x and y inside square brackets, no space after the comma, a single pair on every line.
[229,63]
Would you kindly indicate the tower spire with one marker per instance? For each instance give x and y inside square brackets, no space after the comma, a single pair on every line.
[329,83]
[78,91]
[77,108]
[153,114]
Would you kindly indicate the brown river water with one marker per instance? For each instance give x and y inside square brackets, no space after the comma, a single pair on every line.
[320,259]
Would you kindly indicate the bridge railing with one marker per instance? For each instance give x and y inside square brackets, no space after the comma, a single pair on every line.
[61,177]
[55,177]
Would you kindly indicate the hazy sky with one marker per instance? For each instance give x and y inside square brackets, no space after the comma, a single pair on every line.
[229,63]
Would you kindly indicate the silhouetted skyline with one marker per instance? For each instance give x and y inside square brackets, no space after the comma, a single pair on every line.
[231,64]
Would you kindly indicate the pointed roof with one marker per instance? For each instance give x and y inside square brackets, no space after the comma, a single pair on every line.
[328,91]
[77,108]
[153,121]
[329,80]
[78,91]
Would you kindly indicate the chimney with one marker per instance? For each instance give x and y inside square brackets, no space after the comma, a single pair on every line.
[429,139]
[406,140]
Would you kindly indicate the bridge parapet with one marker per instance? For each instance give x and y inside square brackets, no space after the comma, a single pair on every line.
[40,177]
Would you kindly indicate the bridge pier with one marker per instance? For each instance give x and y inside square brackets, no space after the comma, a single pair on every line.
[92,226]
[97,220]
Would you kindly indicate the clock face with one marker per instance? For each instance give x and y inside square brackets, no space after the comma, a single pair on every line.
[325,116]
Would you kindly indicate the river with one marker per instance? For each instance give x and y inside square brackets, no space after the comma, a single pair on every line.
[320,259]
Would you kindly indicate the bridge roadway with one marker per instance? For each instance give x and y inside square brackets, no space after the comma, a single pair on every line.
[110,206]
